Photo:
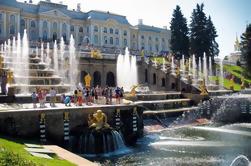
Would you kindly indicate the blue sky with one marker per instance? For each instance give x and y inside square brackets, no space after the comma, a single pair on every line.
[229,16]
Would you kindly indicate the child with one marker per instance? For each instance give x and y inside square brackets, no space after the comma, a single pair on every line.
[67,101]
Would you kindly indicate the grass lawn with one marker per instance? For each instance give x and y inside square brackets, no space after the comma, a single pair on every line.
[159,60]
[237,71]
[16,146]
[237,87]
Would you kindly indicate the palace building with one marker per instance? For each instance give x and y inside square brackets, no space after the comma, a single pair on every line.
[48,21]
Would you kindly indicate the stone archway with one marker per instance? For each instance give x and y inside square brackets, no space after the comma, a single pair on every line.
[154,79]
[96,78]
[54,36]
[110,79]
[163,82]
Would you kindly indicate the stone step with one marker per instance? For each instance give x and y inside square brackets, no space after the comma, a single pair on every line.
[159,96]
[169,110]
[162,101]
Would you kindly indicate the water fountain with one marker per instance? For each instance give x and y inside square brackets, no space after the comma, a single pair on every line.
[42,53]
[164,65]
[199,69]
[205,71]
[73,64]
[55,58]
[127,74]
[210,69]
[172,66]
[194,70]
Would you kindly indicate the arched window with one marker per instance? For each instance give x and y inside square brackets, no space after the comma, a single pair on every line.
[154,78]
[64,27]
[81,29]
[72,28]
[111,40]
[105,39]
[64,37]
[45,24]
[157,48]
[125,33]
[150,38]
[117,41]
[157,39]
[33,24]
[55,26]
[142,37]
[95,28]
[22,23]
[142,45]
[12,29]
[163,82]
[33,35]
[44,36]
[105,30]
[12,19]
[111,31]
[125,42]
[116,31]
[134,45]
[133,36]
[163,40]
[54,36]
[96,39]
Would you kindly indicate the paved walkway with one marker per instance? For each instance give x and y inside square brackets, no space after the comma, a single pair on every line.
[69,156]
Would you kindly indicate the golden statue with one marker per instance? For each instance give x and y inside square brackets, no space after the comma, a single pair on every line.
[88,79]
[98,120]
[42,118]
[96,54]
[133,90]
[242,83]
[10,77]
[66,116]
[231,83]
[177,72]
[203,88]
[1,62]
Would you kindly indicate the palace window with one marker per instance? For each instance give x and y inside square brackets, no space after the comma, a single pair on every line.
[105,30]
[133,36]
[150,38]
[125,42]
[55,26]
[142,37]
[150,47]
[72,28]
[81,29]
[157,39]
[157,47]
[64,27]
[163,40]
[117,41]
[111,40]
[111,31]
[105,39]
[116,31]
[45,24]
[142,46]
[125,33]
[87,29]
[33,24]
[12,29]
[134,45]
[95,28]
[44,36]
[96,39]
[12,19]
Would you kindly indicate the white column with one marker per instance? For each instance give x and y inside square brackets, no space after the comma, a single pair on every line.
[18,23]
[49,29]
[60,31]
[40,26]
[101,36]
[4,26]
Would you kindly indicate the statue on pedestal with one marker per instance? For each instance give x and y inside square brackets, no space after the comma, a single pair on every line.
[10,77]
[203,88]
[87,80]
[98,120]
[177,72]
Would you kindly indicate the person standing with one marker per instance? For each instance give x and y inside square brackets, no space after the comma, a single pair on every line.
[110,95]
[117,93]
[34,99]
[53,95]
[80,97]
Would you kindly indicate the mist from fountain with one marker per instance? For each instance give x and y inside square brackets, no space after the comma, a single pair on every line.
[164,65]
[199,69]
[55,58]
[48,59]
[205,71]
[127,73]
[62,69]
[73,64]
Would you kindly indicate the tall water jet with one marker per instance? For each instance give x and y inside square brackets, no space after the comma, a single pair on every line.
[36,52]
[25,61]
[210,69]
[194,69]
[164,65]
[55,58]
[42,53]
[48,58]
[73,64]
[172,66]
[221,77]
[62,70]
[205,71]
[199,69]
[127,74]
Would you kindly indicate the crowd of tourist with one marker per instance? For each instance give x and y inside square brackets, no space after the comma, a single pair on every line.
[81,96]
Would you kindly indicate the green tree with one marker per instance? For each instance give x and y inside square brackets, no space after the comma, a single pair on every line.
[246,47]
[179,34]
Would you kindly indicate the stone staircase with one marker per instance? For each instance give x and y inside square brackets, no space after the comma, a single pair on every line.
[160,106]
